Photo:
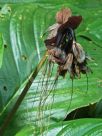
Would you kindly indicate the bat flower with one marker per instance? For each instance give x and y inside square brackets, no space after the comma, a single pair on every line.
[62,46]
[64,19]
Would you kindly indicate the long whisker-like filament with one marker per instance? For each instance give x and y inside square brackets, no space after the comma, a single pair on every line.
[71,97]
[87,82]
[45,91]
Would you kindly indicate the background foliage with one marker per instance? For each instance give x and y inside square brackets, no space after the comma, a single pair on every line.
[22,24]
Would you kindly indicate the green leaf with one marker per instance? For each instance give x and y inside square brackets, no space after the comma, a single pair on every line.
[21,49]
[81,127]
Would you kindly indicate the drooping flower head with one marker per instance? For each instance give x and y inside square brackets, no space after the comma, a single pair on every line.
[62,46]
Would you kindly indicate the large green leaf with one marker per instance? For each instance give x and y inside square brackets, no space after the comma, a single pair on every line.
[21,48]
[82,127]
[89,127]
[22,26]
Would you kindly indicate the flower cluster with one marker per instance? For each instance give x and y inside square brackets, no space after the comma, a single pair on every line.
[62,46]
